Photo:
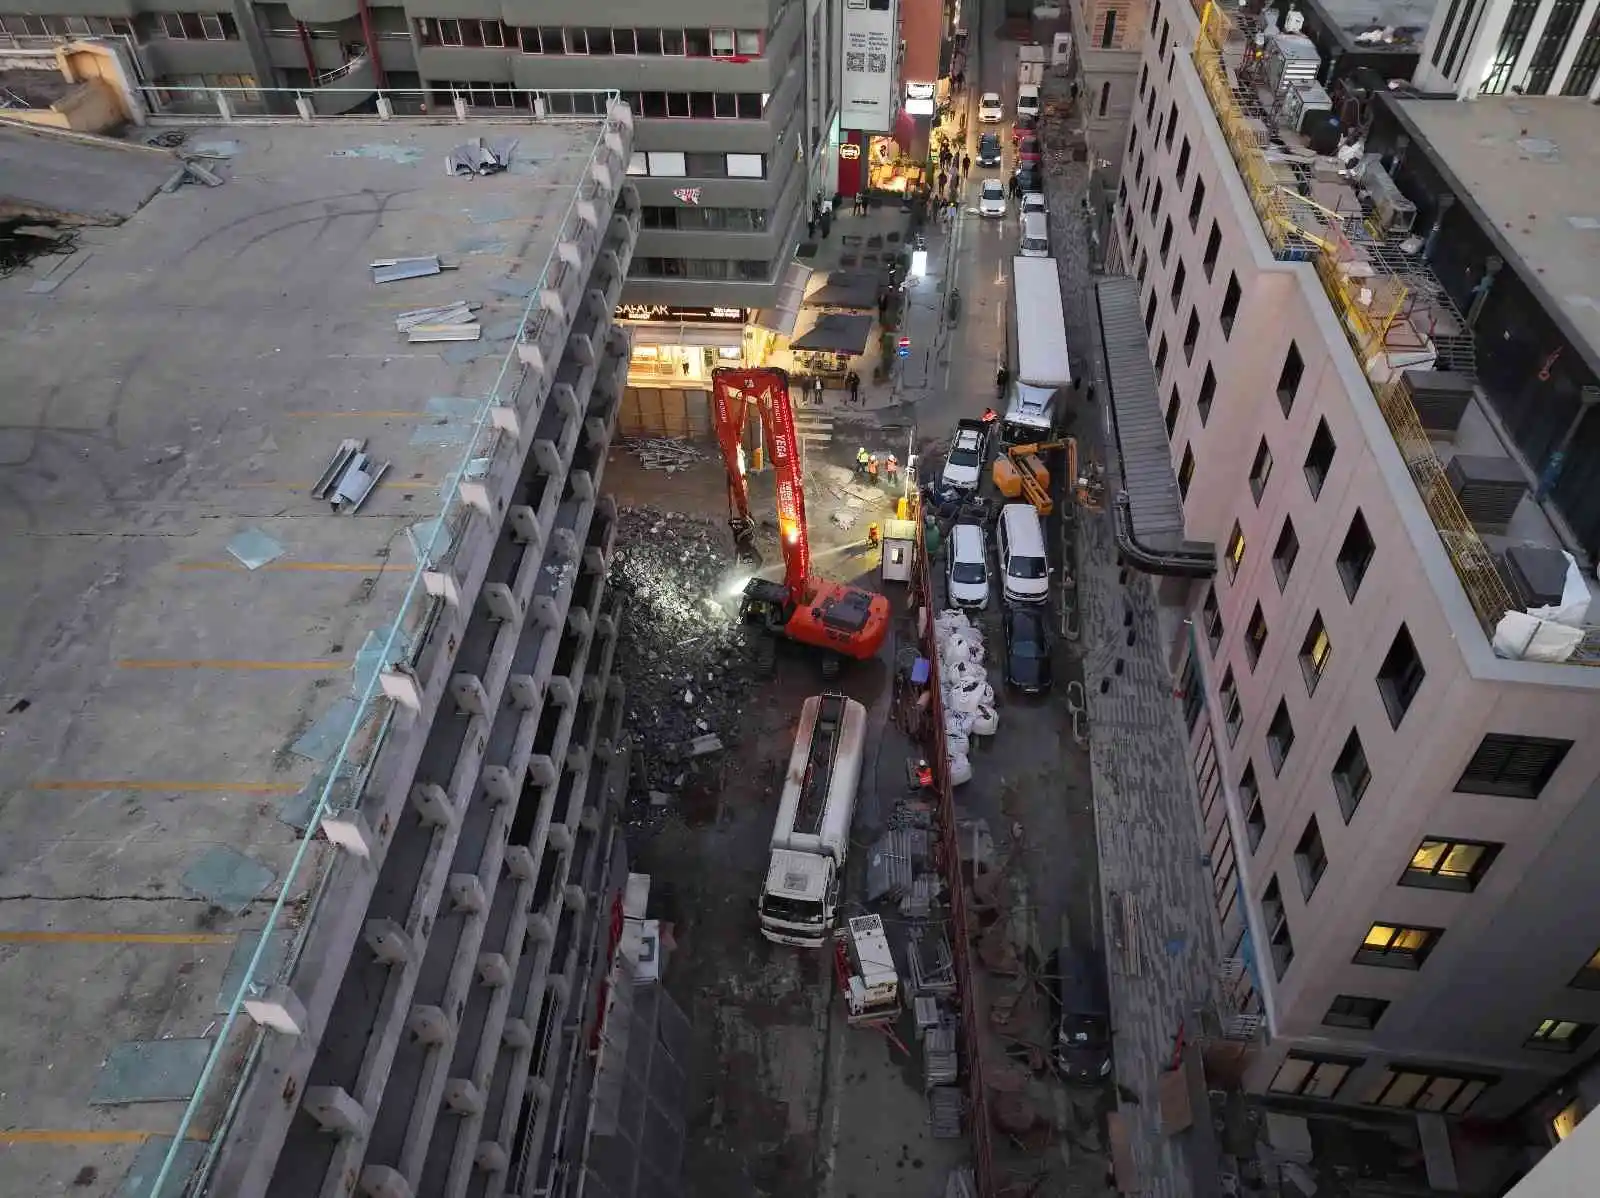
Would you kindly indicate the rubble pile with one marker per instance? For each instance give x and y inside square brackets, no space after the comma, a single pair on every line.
[682,652]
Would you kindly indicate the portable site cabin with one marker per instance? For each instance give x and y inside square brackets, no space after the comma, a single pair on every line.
[899,543]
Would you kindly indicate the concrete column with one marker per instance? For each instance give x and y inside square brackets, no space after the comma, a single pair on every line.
[224,108]
[461,108]
[385,108]
[307,110]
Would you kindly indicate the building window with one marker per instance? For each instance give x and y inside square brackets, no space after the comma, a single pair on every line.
[1355,555]
[1108,31]
[1552,42]
[1319,458]
[1276,922]
[1149,312]
[1186,472]
[1233,552]
[1213,250]
[202,26]
[1512,35]
[747,166]
[1289,378]
[1232,713]
[1193,694]
[1195,201]
[1419,1088]
[1260,471]
[1400,676]
[1208,392]
[1588,978]
[670,164]
[1396,947]
[1172,123]
[1280,737]
[1255,636]
[1255,816]
[1166,239]
[1514,767]
[1559,1035]
[1105,97]
[1211,618]
[1191,335]
[1310,858]
[1303,1075]
[1351,775]
[1155,205]
[1284,551]
[1353,1011]
[1173,406]
[1586,66]
[1161,356]
[1314,653]
[1230,305]
[1449,864]
[1179,277]
[1183,162]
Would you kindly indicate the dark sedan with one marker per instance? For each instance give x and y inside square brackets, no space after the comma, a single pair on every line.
[988,150]
[1027,649]
[1029,177]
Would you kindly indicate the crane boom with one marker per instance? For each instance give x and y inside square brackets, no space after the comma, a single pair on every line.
[732,392]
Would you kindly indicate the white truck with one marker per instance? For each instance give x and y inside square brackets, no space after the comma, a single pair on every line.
[963,465]
[1040,352]
[1031,62]
[811,839]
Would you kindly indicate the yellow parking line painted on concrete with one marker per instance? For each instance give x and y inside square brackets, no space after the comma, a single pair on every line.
[219,663]
[115,938]
[290,485]
[141,784]
[295,567]
[50,1135]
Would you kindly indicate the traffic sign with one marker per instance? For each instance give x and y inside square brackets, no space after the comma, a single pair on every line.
[903,348]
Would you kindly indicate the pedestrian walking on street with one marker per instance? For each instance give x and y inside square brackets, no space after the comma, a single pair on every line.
[861,462]
[817,382]
[943,179]
[1002,377]
[966,164]
[853,381]
[944,158]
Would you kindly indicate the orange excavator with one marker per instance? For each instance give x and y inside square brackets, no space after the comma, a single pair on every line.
[839,620]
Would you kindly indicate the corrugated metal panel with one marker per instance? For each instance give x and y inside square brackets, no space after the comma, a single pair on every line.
[1142,446]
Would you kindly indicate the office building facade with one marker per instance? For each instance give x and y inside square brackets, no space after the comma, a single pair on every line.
[1398,817]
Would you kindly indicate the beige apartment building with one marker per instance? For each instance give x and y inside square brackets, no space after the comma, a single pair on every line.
[1401,823]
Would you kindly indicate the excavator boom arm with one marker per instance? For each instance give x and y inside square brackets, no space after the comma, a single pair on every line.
[732,390]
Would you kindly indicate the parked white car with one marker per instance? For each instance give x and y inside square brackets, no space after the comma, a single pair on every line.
[967,584]
[992,200]
[1028,100]
[1033,201]
[990,110]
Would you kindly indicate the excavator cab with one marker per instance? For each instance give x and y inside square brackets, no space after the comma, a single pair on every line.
[766,603]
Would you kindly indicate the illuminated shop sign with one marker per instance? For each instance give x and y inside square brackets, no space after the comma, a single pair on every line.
[849,151]
[678,312]
[919,91]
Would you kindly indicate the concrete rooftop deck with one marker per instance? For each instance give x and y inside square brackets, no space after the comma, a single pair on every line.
[1528,164]
[185,382]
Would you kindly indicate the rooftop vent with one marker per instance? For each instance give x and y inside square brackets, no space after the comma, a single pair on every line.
[1440,398]
[1489,488]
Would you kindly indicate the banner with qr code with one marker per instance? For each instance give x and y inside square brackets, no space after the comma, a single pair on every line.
[869,90]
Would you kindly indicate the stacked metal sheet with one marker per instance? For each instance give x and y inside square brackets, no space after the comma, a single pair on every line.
[480,157]
[889,873]
[939,1060]
[445,322]
[933,968]
[925,1011]
[917,902]
[961,1184]
[944,1112]
[394,270]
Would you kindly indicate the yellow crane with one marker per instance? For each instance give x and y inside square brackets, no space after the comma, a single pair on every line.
[1021,474]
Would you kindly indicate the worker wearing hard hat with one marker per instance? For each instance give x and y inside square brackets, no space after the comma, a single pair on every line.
[861,461]
[872,468]
[891,470]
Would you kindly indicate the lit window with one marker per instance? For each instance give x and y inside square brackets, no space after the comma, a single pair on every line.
[1397,947]
[1233,555]
[1449,864]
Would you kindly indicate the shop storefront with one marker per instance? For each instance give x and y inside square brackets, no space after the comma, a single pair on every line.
[675,346]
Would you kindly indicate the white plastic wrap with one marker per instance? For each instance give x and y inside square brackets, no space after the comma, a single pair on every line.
[986,720]
[960,722]
[960,770]
[957,744]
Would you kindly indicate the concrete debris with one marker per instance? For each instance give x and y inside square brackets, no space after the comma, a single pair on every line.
[944,1112]
[681,651]
[350,477]
[478,157]
[701,745]
[191,172]
[665,453]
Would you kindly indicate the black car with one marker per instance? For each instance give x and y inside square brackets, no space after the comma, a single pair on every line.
[1027,649]
[989,150]
[1029,176]
[1076,982]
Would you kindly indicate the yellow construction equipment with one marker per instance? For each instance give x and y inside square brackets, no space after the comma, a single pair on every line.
[1022,474]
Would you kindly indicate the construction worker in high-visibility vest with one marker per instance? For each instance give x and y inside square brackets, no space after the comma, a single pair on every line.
[874,536]
[861,461]
[872,469]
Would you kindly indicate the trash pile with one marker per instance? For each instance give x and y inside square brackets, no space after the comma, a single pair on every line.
[681,652]
[670,454]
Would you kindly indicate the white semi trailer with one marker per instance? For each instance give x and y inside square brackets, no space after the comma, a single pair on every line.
[811,838]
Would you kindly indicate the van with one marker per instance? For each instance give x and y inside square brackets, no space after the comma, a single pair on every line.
[1080,996]
[968,556]
[1035,236]
[1024,568]
[1028,99]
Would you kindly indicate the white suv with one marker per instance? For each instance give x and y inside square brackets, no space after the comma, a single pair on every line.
[968,582]
[990,110]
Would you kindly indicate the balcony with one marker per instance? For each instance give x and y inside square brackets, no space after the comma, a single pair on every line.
[346,88]
[1393,309]
[323,12]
